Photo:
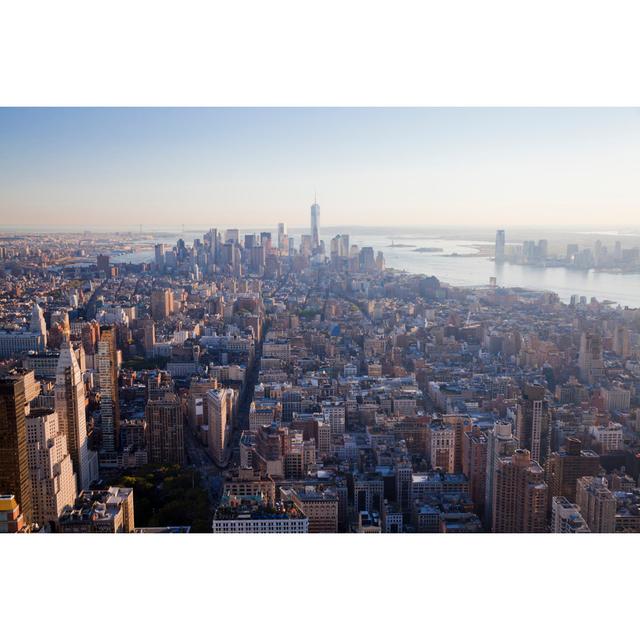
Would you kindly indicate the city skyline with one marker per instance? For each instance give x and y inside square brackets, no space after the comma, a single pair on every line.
[424,166]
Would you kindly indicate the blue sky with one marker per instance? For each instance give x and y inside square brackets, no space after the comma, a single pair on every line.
[248,167]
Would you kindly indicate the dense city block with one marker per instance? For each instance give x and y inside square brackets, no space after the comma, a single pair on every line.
[266,383]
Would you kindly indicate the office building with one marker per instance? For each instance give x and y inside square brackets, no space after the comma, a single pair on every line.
[461,424]
[590,357]
[607,437]
[596,503]
[534,423]
[442,446]
[165,438]
[474,465]
[149,340]
[368,492]
[53,480]
[70,408]
[315,226]
[161,304]
[520,495]
[103,266]
[15,477]
[564,467]
[107,365]
[283,238]
[334,414]
[220,410]
[320,506]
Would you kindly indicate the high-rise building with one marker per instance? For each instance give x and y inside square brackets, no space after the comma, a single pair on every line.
[442,446]
[107,365]
[53,480]
[159,256]
[564,467]
[149,328]
[500,242]
[607,437]
[37,324]
[283,238]
[165,430]
[534,423]
[621,341]
[520,495]
[15,478]
[597,504]
[70,409]
[220,409]
[566,517]
[590,358]
[462,423]
[315,225]
[368,492]
[102,264]
[232,235]
[161,304]
[474,465]
[334,414]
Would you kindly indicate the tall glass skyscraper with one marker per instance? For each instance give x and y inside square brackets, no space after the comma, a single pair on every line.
[315,225]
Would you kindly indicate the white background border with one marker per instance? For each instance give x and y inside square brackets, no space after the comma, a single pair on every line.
[458,53]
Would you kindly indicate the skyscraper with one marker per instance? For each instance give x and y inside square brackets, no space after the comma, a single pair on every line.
[165,430]
[103,264]
[107,365]
[14,462]
[149,329]
[70,408]
[220,406]
[159,256]
[534,422]
[283,238]
[211,241]
[500,241]
[590,359]
[520,495]
[564,467]
[161,304]
[474,465]
[315,225]
[500,443]
[53,481]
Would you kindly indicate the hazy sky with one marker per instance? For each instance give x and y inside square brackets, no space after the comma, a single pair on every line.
[252,167]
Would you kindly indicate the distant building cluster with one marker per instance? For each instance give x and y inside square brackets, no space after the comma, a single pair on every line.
[613,258]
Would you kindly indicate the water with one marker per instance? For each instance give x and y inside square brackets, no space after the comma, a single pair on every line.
[475,269]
